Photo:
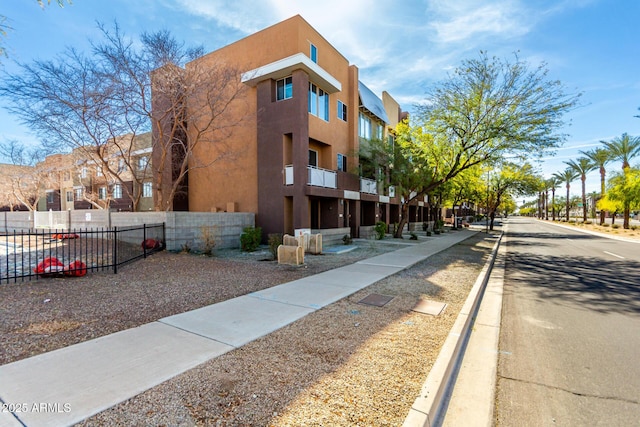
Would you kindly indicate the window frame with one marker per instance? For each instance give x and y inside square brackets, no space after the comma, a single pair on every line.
[117,191]
[313,52]
[147,189]
[342,111]
[342,162]
[102,193]
[287,84]
[318,102]
[316,155]
[364,126]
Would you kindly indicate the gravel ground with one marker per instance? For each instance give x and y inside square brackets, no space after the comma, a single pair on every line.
[346,364]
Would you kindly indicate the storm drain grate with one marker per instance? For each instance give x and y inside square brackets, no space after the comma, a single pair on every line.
[434,308]
[376,299]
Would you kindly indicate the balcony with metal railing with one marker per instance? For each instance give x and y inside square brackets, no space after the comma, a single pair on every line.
[317,177]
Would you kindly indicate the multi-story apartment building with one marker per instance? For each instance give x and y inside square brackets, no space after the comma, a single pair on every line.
[118,177]
[308,113]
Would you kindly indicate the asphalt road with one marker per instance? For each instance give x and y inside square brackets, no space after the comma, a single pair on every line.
[569,352]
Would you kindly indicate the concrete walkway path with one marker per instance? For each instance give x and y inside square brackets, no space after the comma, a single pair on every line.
[68,385]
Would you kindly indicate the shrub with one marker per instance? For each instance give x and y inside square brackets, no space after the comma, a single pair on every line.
[186,248]
[425,226]
[250,239]
[275,240]
[346,239]
[428,233]
[208,242]
[606,224]
[633,227]
[439,224]
[380,229]
[588,222]
[414,236]
[615,226]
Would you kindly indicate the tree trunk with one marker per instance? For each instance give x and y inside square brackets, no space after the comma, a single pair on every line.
[492,215]
[602,190]
[567,213]
[626,215]
[404,216]
[584,199]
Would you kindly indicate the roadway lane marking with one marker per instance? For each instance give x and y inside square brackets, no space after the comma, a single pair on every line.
[612,254]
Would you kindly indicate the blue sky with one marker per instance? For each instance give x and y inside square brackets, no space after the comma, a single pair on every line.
[592,46]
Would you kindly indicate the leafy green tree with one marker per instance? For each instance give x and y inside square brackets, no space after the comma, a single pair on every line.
[487,109]
[624,149]
[582,167]
[624,188]
[510,181]
[567,176]
[600,157]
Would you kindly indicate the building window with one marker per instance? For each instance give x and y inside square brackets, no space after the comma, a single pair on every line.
[117,191]
[146,189]
[122,166]
[84,172]
[102,193]
[318,102]
[99,171]
[49,196]
[313,53]
[78,194]
[377,131]
[364,127]
[313,158]
[284,88]
[143,162]
[342,111]
[342,162]
[69,196]
[67,176]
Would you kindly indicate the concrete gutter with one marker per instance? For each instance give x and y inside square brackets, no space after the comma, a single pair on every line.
[430,406]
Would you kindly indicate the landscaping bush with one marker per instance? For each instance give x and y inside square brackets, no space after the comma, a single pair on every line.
[615,226]
[208,241]
[414,236]
[275,240]
[346,239]
[380,229]
[606,224]
[250,238]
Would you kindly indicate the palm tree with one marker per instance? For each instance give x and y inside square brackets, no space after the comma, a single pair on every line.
[600,157]
[552,184]
[567,176]
[582,167]
[624,148]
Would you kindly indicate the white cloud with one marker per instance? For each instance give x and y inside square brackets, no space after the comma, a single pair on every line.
[466,21]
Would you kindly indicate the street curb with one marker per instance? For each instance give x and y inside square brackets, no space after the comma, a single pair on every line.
[428,408]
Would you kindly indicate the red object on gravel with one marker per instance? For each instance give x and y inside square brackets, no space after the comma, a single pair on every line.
[76,269]
[49,266]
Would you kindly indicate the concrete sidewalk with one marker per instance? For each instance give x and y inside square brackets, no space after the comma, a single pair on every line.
[68,385]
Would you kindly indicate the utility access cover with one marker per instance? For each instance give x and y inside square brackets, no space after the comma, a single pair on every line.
[434,308]
[376,299]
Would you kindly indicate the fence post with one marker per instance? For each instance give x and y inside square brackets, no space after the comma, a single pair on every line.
[115,250]
[144,240]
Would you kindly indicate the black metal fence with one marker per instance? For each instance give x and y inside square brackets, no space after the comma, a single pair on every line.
[25,255]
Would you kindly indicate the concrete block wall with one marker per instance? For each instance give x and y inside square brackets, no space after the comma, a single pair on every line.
[180,227]
[332,236]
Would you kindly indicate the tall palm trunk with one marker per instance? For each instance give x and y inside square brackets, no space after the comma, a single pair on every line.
[584,198]
[553,203]
[602,190]
[567,204]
